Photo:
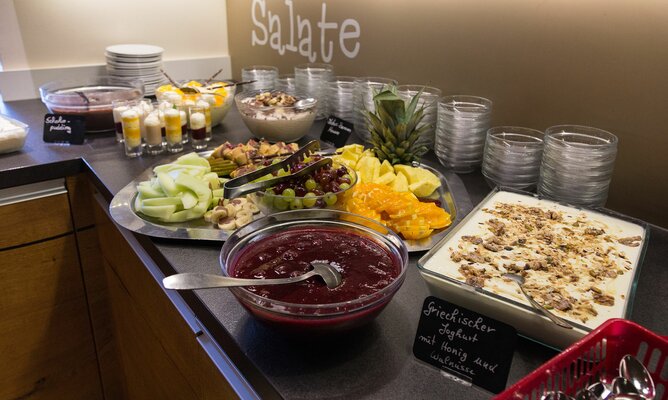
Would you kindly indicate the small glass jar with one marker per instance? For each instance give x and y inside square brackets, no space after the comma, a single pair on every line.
[183,109]
[119,107]
[207,115]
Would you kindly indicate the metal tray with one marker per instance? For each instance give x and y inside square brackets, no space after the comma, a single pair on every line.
[123,213]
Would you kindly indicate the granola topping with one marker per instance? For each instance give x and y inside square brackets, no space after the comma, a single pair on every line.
[568,261]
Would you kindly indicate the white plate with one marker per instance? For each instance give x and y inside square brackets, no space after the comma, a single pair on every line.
[135,50]
[130,66]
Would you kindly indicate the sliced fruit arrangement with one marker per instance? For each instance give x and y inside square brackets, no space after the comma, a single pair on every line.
[185,190]
[217,88]
[401,178]
[403,212]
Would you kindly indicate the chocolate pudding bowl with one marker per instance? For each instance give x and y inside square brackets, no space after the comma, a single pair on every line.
[90,98]
[371,259]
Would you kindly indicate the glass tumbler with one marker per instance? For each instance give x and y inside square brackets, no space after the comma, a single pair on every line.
[364,91]
[311,80]
[340,97]
[173,132]
[264,75]
[119,107]
[462,126]
[153,139]
[286,83]
[512,157]
[577,164]
[197,127]
[429,100]
[131,133]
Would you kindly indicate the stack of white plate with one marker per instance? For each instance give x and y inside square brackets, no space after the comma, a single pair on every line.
[136,61]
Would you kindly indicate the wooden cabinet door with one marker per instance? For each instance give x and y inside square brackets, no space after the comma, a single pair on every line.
[46,345]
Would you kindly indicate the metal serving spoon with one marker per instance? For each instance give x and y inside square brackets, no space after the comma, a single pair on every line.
[636,373]
[188,281]
[520,282]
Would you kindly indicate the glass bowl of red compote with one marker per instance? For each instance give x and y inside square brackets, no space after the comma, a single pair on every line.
[371,258]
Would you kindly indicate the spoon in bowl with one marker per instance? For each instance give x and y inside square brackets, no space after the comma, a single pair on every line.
[189,281]
[520,282]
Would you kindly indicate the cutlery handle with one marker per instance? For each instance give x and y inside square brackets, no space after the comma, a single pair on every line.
[557,320]
[189,281]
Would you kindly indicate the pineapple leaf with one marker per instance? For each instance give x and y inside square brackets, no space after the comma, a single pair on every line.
[413,104]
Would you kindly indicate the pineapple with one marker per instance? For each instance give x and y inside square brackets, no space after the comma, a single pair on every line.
[395,128]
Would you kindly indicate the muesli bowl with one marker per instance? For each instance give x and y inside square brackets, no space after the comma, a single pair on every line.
[354,245]
[276,116]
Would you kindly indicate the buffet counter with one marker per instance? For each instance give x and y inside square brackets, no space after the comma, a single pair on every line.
[227,352]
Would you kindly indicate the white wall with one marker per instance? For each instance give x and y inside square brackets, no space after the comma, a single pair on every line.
[42,40]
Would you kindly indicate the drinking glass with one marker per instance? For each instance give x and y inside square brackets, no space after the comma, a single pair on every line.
[340,97]
[119,107]
[429,100]
[286,83]
[153,139]
[131,133]
[311,80]
[577,164]
[264,75]
[364,91]
[462,126]
[512,156]
[197,127]
[173,130]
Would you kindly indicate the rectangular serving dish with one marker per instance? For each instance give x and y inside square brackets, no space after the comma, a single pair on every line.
[123,213]
[502,300]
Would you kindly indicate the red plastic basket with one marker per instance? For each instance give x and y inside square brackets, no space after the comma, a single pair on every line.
[594,357]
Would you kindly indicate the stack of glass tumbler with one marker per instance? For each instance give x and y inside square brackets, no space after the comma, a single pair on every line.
[312,80]
[512,157]
[463,122]
[577,164]
[263,75]
[340,98]
[429,100]
[365,89]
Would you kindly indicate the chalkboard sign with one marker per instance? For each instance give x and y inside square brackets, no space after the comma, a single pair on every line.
[63,128]
[468,345]
[336,131]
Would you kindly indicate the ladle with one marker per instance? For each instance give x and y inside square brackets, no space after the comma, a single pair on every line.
[189,281]
[520,282]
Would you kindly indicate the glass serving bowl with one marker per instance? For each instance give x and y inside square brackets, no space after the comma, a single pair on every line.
[323,317]
[91,98]
[220,103]
[270,203]
[275,123]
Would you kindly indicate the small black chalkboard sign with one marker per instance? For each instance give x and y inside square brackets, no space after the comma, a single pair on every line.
[463,343]
[336,131]
[64,128]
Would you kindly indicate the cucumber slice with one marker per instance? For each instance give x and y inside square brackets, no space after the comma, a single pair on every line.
[189,200]
[192,159]
[167,184]
[147,192]
[160,212]
[162,201]
[200,188]
[218,192]
[212,178]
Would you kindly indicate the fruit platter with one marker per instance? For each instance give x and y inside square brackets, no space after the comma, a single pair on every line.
[196,195]
[182,197]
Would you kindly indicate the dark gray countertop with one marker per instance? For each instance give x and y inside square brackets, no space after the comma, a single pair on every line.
[375,362]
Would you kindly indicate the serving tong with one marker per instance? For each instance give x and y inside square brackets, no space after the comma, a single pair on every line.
[244,184]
